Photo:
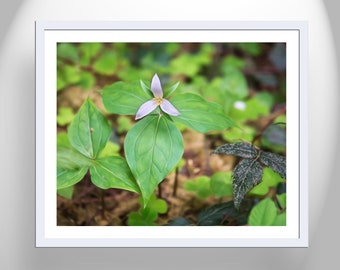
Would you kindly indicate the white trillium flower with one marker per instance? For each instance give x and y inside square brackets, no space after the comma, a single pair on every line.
[158,100]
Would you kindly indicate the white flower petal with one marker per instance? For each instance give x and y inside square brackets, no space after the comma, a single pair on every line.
[167,107]
[145,109]
[156,87]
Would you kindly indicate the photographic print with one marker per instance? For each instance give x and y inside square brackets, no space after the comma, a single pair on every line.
[171,136]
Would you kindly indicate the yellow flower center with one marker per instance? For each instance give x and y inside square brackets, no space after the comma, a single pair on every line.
[158,100]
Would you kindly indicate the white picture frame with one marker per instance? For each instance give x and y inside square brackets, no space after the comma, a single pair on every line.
[294,234]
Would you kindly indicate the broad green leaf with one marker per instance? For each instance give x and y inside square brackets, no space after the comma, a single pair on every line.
[124,98]
[186,64]
[200,185]
[66,192]
[171,48]
[65,116]
[61,83]
[110,149]
[113,172]
[281,198]
[240,149]
[198,114]
[145,87]
[62,140]
[263,214]
[152,148]
[67,178]
[89,130]
[254,49]
[67,75]
[234,83]
[246,133]
[88,51]
[149,214]
[232,61]
[269,179]
[71,165]
[213,91]
[280,220]
[86,80]
[155,204]
[246,175]
[217,214]
[221,184]
[124,124]
[274,161]
[257,106]
[172,89]
[107,63]
[142,219]
[68,51]
[70,159]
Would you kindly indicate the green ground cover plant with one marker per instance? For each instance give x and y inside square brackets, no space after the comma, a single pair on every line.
[175,134]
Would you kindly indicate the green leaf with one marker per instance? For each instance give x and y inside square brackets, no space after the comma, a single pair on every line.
[215,215]
[221,184]
[89,130]
[88,51]
[68,51]
[281,198]
[200,185]
[124,124]
[66,192]
[86,80]
[246,175]
[70,159]
[246,133]
[149,214]
[232,61]
[172,89]
[198,114]
[110,149]
[263,214]
[107,63]
[146,88]
[124,98]
[186,64]
[253,108]
[65,116]
[62,140]
[113,172]
[234,83]
[269,179]
[67,75]
[254,49]
[155,204]
[274,161]
[152,148]
[280,220]
[240,149]
[67,178]
[71,165]
[145,218]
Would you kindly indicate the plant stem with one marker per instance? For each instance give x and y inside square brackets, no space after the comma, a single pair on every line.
[174,192]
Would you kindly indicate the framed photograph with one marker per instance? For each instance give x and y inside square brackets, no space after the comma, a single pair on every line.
[171,134]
